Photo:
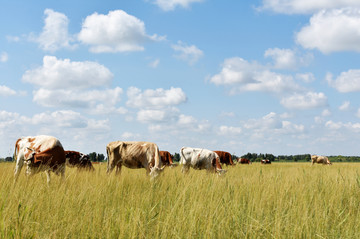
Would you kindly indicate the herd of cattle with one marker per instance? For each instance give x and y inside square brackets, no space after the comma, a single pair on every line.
[46,153]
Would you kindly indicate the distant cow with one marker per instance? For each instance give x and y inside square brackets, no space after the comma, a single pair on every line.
[244,161]
[200,159]
[79,160]
[39,153]
[320,160]
[167,159]
[134,155]
[225,157]
[265,161]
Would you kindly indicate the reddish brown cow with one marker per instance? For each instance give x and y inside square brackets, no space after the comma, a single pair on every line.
[167,158]
[244,161]
[225,157]
[79,160]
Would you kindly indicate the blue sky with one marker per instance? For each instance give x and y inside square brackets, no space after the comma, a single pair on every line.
[270,76]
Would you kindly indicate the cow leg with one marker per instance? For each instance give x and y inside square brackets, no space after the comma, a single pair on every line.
[185,169]
[29,172]
[62,173]
[47,176]
[118,169]
[111,166]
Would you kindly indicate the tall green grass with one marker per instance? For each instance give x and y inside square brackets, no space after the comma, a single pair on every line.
[292,200]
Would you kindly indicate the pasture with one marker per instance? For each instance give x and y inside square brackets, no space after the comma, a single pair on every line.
[281,200]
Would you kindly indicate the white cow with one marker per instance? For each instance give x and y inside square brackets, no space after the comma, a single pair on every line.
[198,158]
[320,160]
[39,153]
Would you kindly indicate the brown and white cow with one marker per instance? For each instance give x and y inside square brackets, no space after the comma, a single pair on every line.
[320,160]
[134,155]
[244,161]
[225,157]
[265,161]
[167,159]
[198,158]
[39,153]
[79,160]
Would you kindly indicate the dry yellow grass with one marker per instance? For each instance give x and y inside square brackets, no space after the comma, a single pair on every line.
[289,200]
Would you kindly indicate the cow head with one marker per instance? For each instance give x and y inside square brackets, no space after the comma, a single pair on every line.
[155,171]
[221,171]
[30,157]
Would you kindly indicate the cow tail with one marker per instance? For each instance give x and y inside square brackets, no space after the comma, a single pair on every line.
[157,157]
[16,150]
[230,160]
[182,158]
[108,158]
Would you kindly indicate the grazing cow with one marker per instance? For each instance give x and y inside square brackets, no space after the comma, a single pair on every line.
[134,155]
[167,159]
[79,160]
[39,153]
[225,157]
[320,160]
[200,159]
[265,161]
[244,161]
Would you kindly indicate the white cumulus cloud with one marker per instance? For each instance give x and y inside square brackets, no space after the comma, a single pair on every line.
[4,57]
[332,31]
[115,32]
[305,6]
[190,54]
[229,130]
[272,123]
[345,106]
[65,83]
[341,125]
[242,75]
[157,115]
[65,74]
[55,32]
[155,98]
[287,58]
[308,100]
[6,91]
[78,98]
[168,5]
[348,81]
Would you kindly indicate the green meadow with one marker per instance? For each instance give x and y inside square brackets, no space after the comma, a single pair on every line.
[281,200]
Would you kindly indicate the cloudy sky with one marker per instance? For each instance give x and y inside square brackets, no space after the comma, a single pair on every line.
[263,76]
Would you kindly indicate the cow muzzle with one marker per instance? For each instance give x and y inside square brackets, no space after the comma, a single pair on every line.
[155,171]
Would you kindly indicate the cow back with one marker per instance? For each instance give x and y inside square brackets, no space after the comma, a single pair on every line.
[166,158]
[225,157]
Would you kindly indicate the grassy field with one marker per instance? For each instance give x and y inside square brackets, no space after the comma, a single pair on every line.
[283,200]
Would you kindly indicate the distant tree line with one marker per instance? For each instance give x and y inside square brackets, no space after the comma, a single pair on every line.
[344,158]
[94,157]
[7,159]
